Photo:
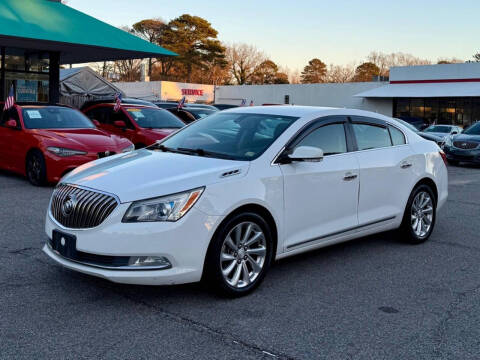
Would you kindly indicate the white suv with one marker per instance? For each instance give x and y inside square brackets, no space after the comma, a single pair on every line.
[225,196]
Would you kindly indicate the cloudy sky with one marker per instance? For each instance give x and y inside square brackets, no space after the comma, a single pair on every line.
[340,32]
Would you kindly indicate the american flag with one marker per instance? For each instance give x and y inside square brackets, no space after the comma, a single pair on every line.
[251,103]
[118,102]
[10,100]
[244,102]
[181,103]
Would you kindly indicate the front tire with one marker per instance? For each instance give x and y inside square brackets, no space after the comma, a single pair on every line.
[420,215]
[240,255]
[36,168]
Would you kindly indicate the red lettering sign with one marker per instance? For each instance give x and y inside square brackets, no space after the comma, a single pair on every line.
[196,92]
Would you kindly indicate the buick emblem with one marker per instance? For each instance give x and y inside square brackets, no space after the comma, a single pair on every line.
[69,204]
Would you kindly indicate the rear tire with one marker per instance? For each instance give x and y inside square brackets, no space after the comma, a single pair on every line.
[240,255]
[36,168]
[419,217]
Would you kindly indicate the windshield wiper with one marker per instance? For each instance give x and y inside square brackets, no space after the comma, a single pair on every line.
[206,153]
[165,149]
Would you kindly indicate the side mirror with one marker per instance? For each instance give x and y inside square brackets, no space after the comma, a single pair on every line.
[96,122]
[306,153]
[11,124]
[120,124]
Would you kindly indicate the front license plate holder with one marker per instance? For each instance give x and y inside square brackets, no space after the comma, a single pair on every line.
[65,244]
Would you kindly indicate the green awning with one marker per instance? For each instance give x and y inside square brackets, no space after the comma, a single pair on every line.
[52,26]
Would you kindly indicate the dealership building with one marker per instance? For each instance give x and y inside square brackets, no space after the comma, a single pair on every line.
[444,94]
[38,36]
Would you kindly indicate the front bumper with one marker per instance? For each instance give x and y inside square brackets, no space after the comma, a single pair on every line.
[461,155]
[184,243]
[58,166]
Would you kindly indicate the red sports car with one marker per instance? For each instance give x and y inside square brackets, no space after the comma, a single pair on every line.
[142,125]
[45,142]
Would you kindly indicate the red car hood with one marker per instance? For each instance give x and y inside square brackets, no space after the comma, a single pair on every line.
[93,140]
[158,134]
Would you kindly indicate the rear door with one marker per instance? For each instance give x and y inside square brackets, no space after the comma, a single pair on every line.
[321,197]
[386,169]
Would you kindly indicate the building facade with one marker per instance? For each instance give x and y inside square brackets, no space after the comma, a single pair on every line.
[443,94]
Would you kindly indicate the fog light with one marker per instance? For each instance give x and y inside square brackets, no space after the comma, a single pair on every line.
[149,261]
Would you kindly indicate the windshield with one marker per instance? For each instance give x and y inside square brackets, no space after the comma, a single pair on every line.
[231,135]
[53,117]
[473,130]
[200,113]
[438,129]
[408,125]
[154,118]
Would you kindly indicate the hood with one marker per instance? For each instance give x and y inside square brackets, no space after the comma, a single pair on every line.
[158,134]
[93,140]
[430,136]
[466,137]
[144,174]
[436,134]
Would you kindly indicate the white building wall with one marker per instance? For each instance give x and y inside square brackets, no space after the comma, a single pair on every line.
[436,72]
[333,95]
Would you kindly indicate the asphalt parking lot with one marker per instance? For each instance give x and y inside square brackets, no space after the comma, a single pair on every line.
[373,298]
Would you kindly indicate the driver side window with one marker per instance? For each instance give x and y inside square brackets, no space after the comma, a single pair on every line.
[330,138]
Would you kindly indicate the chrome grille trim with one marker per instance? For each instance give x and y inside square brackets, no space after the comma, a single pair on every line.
[91,209]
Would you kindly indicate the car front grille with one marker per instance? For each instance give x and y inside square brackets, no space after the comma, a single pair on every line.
[466,145]
[77,208]
[105,154]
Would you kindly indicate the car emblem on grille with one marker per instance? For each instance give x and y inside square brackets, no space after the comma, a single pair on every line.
[464,144]
[69,204]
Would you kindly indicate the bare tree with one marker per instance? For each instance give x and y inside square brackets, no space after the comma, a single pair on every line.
[104,69]
[340,73]
[386,61]
[476,57]
[242,60]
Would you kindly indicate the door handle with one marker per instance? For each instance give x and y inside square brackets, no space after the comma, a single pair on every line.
[349,176]
[405,165]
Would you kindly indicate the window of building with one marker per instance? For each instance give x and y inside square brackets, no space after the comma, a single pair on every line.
[371,136]
[28,72]
[330,138]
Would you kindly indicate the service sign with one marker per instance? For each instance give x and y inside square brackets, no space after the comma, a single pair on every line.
[195,92]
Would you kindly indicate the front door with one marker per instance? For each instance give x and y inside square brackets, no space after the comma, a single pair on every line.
[321,197]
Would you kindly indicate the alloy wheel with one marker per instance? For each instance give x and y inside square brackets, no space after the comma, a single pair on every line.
[243,254]
[422,214]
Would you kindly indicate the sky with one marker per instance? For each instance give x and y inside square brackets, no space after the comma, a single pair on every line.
[338,32]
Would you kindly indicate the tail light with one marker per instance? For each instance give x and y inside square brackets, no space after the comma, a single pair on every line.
[444,157]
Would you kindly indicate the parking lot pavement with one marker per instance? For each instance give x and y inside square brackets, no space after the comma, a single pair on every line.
[366,299]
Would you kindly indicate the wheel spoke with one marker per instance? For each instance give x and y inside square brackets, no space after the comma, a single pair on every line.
[427,210]
[229,268]
[238,234]
[427,220]
[226,257]
[256,268]
[246,274]
[419,227]
[236,276]
[247,233]
[230,243]
[255,238]
[257,251]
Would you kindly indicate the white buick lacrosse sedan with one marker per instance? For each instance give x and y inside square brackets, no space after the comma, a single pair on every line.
[224,197]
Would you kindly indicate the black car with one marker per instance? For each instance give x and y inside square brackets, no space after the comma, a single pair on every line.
[130,101]
[225,106]
[464,147]
[188,115]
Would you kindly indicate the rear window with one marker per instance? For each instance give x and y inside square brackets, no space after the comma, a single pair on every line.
[154,118]
[53,117]
[371,136]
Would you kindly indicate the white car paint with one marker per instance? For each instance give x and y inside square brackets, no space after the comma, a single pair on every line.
[310,203]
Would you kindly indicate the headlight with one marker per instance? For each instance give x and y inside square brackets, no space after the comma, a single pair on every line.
[65,152]
[128,148]
[165,208]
